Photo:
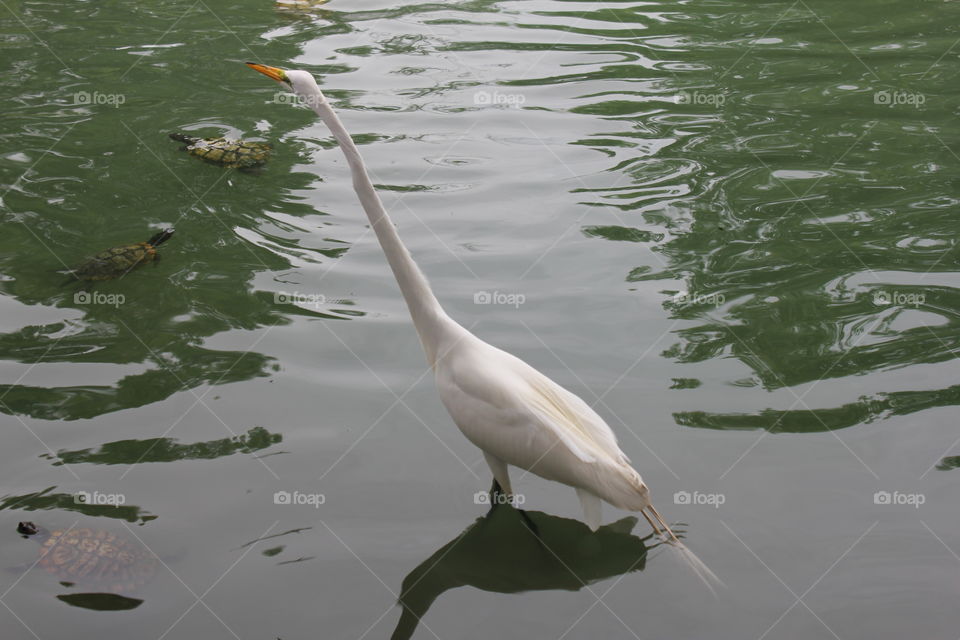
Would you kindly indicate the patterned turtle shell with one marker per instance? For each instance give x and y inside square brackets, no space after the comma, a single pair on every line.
[118,261]
[305,7]
[232,154]
[94,558]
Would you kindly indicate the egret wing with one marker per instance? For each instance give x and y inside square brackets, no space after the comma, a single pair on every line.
[572,420]
[487,387]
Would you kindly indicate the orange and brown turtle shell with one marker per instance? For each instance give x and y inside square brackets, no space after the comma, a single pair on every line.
[118,261]
[96,557]
[232,154]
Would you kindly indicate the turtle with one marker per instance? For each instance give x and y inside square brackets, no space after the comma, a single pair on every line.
[118,261]
[92,557]
[232,154]
[302,7]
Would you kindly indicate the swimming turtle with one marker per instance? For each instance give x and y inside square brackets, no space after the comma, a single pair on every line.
[304,7]
[92,557]
[118,261]
[232,154]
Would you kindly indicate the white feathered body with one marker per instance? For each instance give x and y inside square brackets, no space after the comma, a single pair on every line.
[515,413]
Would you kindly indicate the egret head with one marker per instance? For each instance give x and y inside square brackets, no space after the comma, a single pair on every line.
[301,83]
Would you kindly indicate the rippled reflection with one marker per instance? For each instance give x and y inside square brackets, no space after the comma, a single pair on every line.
[168,449]
[948,463]
[864,411]
[79,176]
[47,500]
[499,553]
[806,228]
[100,601]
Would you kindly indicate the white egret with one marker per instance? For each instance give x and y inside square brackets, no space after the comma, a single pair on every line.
[512,412]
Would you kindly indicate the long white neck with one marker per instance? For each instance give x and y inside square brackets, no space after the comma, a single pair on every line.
[432,323]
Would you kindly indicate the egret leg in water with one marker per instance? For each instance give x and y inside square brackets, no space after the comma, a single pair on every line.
[495,501]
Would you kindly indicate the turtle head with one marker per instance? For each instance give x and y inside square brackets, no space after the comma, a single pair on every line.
[160,238]
[300,82]
[33,532]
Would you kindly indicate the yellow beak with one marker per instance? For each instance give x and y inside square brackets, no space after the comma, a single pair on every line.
[271,72]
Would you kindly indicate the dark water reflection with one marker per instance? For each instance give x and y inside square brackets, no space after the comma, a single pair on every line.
[864,411]
[168,449]
[499,553]
[100,601]
[48,500]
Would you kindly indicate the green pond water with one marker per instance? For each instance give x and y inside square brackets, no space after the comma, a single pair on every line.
[729,226]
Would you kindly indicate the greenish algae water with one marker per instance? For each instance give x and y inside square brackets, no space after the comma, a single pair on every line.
[730,227]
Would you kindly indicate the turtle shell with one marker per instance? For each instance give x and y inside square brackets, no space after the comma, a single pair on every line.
[116,261]
[97,557]
[233,154]
[300,6]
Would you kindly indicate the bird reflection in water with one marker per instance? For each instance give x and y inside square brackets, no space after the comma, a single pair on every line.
[499,553]
[100,601]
